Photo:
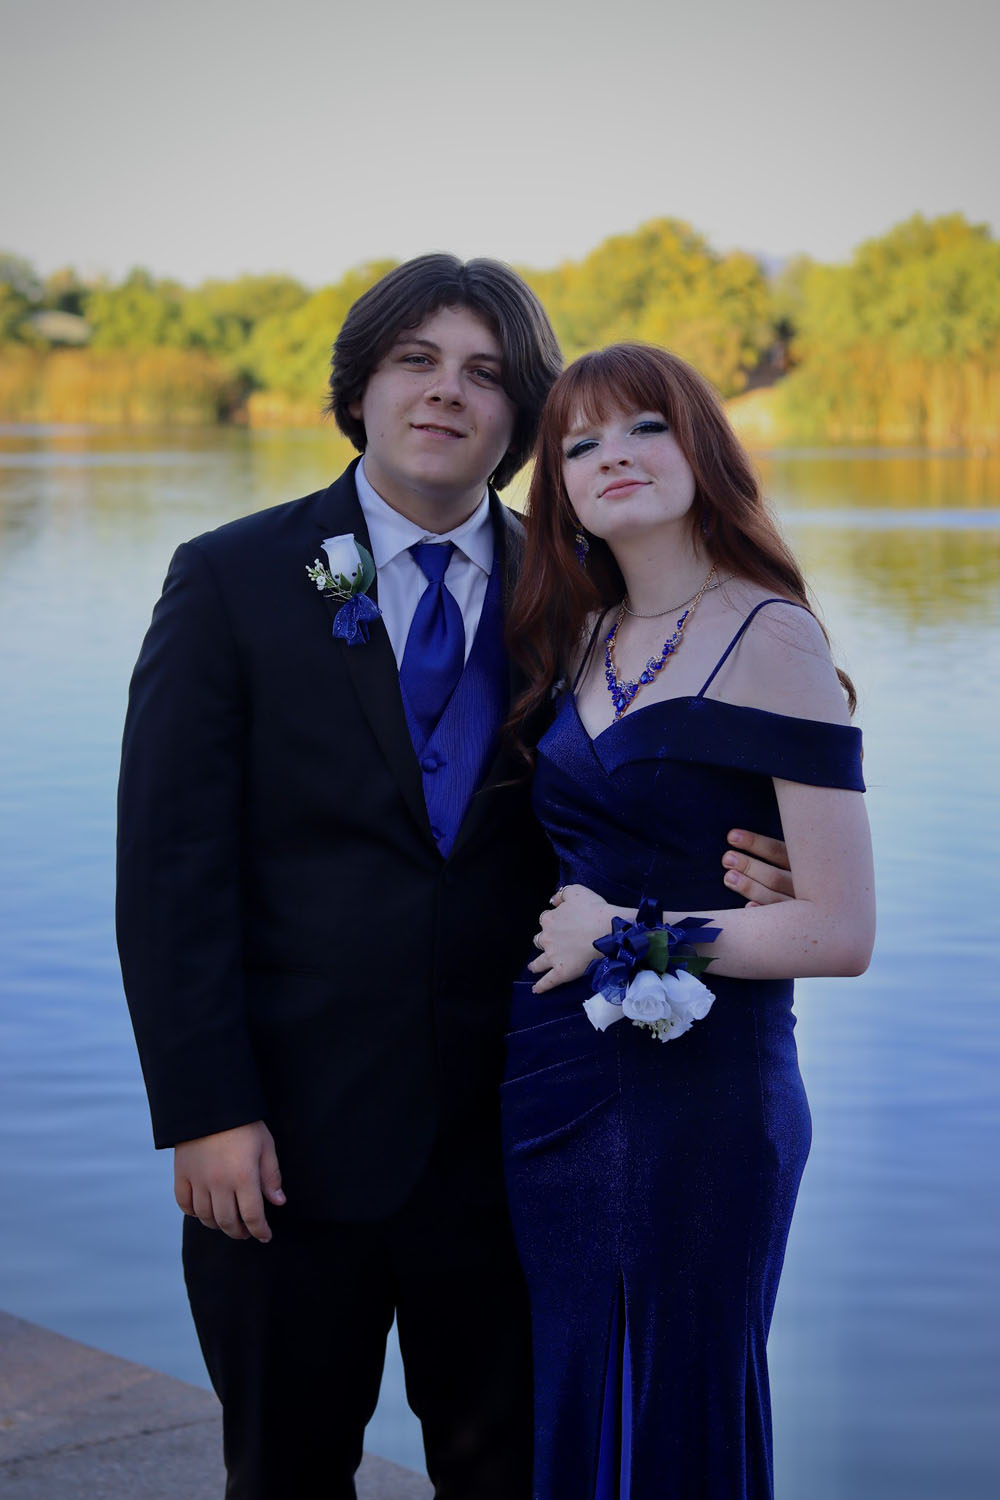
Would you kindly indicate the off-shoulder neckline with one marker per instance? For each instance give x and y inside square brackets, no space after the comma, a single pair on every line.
[688,698]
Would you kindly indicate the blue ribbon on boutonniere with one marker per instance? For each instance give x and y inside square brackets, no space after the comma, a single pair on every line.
[349,576]
[352,619]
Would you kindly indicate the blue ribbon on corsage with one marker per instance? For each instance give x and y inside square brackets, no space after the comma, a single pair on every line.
[349,576]
[623,949]
[648,972]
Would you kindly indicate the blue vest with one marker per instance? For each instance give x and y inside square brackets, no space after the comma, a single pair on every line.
[454,761]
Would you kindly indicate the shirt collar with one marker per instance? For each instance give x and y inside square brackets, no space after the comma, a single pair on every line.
[391,533]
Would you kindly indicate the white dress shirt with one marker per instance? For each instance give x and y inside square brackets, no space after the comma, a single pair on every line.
[401,580]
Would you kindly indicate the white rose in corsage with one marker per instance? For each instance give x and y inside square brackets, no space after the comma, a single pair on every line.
[646,998]
[648,973]
[689,998]
[601,1013]
[349,574]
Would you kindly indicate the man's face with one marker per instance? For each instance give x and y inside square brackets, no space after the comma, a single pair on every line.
[437,418]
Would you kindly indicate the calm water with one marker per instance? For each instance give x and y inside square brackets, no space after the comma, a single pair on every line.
[884,1350]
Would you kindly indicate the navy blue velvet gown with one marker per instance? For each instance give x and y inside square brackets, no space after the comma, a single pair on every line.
[652,1185]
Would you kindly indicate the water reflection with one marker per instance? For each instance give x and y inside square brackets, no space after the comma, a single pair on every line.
[152,483]
[865,478]
[926,576]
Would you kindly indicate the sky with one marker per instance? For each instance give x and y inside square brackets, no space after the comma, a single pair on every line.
[206,138]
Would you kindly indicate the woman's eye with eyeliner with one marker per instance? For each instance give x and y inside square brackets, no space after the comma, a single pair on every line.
[650,426]
[582,447]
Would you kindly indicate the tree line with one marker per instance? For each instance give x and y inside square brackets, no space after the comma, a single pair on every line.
[900,344]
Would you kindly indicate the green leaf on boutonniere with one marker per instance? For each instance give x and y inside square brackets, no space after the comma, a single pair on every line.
[367,578]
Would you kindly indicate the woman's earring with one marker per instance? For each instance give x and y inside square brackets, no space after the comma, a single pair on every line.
[580,548]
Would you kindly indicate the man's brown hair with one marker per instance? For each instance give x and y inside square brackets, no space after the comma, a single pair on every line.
[418,288]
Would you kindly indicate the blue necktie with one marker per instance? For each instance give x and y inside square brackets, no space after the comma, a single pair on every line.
[434,654]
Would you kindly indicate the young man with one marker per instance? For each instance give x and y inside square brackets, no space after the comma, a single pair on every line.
[328,878]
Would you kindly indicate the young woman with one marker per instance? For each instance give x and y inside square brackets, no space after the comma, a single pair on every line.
[652,1186]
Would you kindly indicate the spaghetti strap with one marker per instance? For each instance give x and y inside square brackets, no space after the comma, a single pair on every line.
[589,651]
[739,636]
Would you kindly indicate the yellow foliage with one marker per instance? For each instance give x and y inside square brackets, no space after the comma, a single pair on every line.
[182,386]
[278,409]
[20,383]
[755,418]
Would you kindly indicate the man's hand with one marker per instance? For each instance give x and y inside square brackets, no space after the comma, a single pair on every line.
[223,1180]
[759,870]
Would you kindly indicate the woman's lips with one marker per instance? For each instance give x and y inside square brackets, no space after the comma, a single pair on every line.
[620,485]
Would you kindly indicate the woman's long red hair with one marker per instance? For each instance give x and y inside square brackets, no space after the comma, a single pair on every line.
[554,594]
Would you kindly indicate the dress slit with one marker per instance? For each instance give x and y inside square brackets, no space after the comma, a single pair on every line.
[614,1457]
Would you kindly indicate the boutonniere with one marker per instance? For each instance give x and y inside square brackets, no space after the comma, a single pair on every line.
[349,574]
[648,974]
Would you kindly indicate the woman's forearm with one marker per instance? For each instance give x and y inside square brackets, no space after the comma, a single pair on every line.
[827,928]
[791,940]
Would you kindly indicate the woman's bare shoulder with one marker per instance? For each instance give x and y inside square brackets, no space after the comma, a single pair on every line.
[783,663]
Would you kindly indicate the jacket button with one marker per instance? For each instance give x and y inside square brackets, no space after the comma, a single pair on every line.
[429,763]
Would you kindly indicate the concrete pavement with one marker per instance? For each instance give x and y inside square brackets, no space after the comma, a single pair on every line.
[75,1422]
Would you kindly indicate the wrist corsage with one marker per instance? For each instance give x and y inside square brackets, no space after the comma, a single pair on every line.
[349,576]
[648,973]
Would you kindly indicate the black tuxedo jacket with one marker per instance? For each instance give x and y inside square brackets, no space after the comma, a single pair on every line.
[294,947]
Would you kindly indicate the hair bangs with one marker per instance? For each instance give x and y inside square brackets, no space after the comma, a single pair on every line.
[624,378]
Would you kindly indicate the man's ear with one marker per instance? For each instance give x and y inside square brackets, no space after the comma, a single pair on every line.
[354,407]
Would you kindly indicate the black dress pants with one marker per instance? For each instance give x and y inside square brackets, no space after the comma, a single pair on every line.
[293,1334]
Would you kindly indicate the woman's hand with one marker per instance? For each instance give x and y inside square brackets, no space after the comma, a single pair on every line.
[569,926]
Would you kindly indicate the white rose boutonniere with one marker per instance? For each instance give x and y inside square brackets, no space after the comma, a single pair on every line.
[344,559]
[347,577]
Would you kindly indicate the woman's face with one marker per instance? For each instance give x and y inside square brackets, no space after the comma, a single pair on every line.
[626,474]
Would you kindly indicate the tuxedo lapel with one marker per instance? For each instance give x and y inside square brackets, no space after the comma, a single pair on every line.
[371,666]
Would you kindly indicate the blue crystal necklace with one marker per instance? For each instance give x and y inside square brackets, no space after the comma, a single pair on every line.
[623,694]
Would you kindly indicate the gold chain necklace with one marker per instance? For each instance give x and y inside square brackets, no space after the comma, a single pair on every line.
[658,614]
[623,693]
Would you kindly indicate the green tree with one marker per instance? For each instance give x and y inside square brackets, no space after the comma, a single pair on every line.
[902,344]
[63,291]
[290,352]
[20,275]
[221,315]
[20,291]
[141,313]
[664,284]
